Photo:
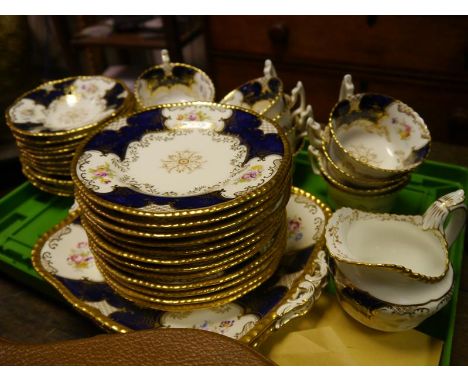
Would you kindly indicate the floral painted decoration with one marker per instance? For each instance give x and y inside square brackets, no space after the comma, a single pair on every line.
[102,173]
[295,227]
[252,173]
[80,257]
[193,116]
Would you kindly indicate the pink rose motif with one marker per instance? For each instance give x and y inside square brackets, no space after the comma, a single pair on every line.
[192,117]
[250,175]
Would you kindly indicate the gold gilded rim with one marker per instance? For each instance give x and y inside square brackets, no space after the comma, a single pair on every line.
[345,282]
[75,140]
[193,250]
[261,329]
[271,103]
[233,283]
[139,103]
[278,177]
[182,258]
[242,222]
[370,181]
[234,213]
[200,301]
[251,285]
[41,170]
[12,126]
[200,284]
[40,150]
[361,192]
[58,157]
[48,180]
[190,243]
[58,165]
[368,165]
[213,293]
[205,268]
[48,189]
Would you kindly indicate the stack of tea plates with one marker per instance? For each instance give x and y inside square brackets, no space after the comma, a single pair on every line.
[50,121]
[184,204]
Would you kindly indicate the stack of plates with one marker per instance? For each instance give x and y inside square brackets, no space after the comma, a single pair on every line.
[184,204]
[50,121]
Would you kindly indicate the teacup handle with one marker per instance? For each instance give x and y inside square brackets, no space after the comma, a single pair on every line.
[347,87]
[438,212]
[315,133]
[298,93]
[166,61]
[269,70]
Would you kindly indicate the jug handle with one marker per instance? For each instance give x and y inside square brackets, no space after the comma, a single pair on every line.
[436,215]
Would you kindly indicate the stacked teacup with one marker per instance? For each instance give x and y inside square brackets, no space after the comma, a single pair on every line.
[266,96]
[368,149]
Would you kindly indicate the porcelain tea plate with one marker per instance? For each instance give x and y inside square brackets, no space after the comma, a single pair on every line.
[62,256]
[67,106]
[197,157]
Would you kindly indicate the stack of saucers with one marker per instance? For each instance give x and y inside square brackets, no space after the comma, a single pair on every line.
[50,121]
[184,204]
[368,150]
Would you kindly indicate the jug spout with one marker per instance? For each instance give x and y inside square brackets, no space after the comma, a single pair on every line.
[452,205]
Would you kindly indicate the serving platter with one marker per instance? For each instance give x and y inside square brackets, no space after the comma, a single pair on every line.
[63,257]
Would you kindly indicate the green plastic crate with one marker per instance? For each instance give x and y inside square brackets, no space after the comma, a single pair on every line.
[26,213]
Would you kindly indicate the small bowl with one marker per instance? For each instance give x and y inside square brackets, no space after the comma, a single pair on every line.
[345,174]
[387,304]
[172,83]
[378,135]
[263,95]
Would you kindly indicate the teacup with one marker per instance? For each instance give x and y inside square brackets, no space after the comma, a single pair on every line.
[263,95]
[344,172]
[389,302]
[379,136]
[172,83]
[414,245]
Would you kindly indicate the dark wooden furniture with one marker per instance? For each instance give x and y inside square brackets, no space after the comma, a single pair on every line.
[421,60]
[174,35]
